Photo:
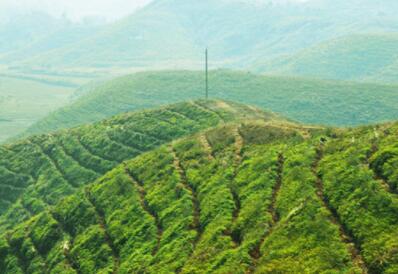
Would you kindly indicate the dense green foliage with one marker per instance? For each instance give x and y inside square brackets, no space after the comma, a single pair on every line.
[257,195]
[41,170]
[364,195]
[309,101]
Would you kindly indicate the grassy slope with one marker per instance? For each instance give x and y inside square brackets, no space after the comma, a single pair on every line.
[247,197]
[23,102]
[354,57]
[309,101]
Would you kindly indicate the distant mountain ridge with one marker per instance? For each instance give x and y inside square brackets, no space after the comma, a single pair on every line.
[240,34]
[27,35]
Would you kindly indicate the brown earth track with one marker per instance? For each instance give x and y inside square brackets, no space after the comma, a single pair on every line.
[206,145]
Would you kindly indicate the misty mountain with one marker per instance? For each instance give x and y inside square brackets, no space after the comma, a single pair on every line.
[369,57]
[240,34]
[28,34]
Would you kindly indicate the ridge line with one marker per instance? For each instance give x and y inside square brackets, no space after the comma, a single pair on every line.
[56,165]
[123,145]
[61,144]
[236,235]
[102,224]
[255,253]
[376,175]
[195,201]
[208,110]
[89,150]
[145,206]
[206,146]
[346,237]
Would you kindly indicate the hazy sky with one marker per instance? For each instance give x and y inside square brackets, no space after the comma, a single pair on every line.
[75,9]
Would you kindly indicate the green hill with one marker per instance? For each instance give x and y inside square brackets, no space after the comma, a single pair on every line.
[247,196]
[365,57]
[305,100]
[38,171]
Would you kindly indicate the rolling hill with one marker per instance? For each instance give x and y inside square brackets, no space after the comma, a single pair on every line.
[252,195]
[366,57]
[305,100]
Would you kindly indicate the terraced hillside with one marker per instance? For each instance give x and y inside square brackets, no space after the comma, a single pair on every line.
[39,171]
[309,101]
[248,196]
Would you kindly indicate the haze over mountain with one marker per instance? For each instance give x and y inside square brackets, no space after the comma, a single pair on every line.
[361,57]
[240,34]
[72,9]
[26,35]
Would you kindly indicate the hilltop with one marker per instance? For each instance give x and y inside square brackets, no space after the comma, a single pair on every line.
[305,100]
[252,195]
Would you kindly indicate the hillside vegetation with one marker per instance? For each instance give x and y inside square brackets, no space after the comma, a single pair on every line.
[259,195]
[365,57]
[308,101]
[39,171]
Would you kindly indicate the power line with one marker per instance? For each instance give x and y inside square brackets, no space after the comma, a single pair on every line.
[207,74]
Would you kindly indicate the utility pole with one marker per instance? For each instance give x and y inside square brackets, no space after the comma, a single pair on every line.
[207,75]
